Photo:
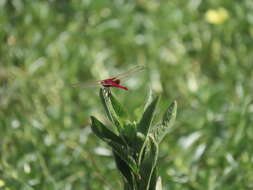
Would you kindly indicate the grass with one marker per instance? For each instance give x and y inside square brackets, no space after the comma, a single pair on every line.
[45,136]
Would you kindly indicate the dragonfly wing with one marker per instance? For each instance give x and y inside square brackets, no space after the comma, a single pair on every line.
[127,74]
[122,77]
[86,84]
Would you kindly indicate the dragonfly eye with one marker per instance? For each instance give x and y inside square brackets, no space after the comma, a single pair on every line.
[117,81]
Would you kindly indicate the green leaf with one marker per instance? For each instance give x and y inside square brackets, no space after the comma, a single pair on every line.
[139,141]
[104,100]
[118,108]
[126,172]
[151,97]
[153,180]
[147,117]
[109,110]
[148,164]
[170,116]
[103,132]
[143,142]
[129,134]
[125,155]
[159,131]
[114,141]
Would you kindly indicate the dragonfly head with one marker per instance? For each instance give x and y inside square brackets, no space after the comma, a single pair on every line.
[117,81]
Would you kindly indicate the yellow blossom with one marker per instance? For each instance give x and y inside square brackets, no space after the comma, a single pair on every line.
[2,183]
[217,16]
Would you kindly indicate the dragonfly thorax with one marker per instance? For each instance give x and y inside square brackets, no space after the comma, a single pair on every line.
[110,82]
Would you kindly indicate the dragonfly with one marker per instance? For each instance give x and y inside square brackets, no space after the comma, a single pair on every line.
[114,81]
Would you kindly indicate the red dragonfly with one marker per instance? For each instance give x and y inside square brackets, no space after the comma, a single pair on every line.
[113,81]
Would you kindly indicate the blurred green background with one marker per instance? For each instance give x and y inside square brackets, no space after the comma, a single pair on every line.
[197,52]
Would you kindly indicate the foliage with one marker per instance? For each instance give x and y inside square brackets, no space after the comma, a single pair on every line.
[135,150]
[193,55]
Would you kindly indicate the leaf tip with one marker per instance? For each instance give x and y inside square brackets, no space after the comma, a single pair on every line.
[92,118]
